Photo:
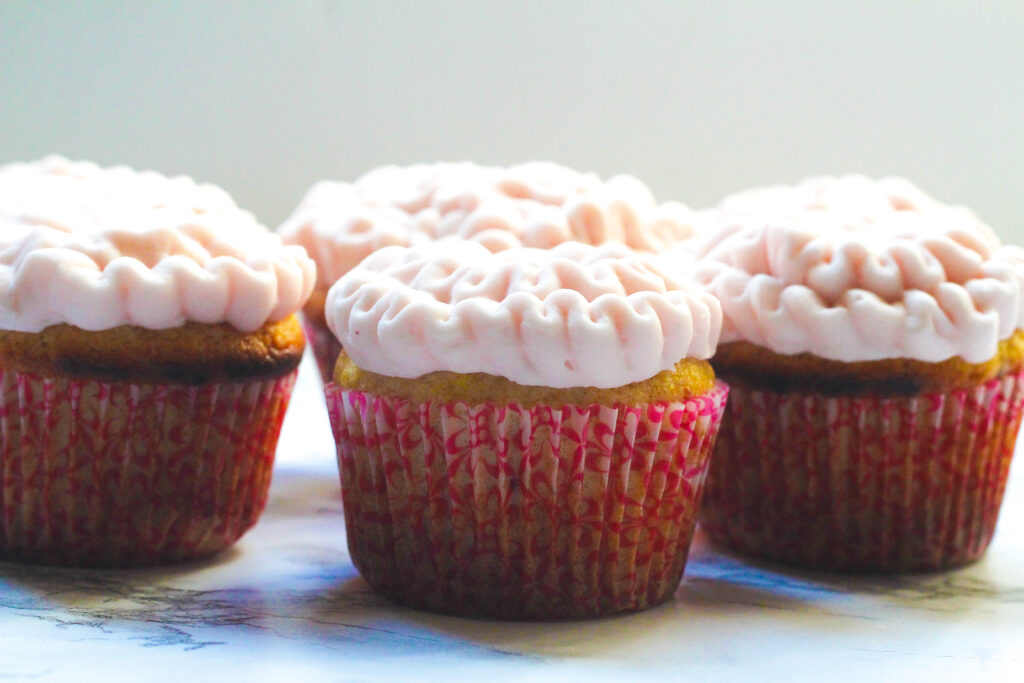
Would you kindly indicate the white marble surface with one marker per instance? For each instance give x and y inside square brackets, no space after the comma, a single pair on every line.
[287,604]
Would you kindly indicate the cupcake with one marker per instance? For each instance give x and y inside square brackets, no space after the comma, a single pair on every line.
[872,340]
[521,434]
[148,347]
[534,204]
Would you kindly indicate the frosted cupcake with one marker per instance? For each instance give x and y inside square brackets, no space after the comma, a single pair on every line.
[148,346]
[521,434]
[872,342]
[534,204]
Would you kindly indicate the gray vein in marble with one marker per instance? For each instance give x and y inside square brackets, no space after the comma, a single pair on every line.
[334,609]
[130,605]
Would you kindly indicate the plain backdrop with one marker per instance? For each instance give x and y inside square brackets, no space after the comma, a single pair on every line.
[698,98]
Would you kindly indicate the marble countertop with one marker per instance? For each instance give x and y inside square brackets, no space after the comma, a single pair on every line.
[287,604]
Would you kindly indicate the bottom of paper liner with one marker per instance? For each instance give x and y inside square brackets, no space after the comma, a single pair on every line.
[863,484]
[116,474]
[521,512]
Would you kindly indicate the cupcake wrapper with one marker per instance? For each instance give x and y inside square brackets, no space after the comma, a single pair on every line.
[326,347]
[514,512]
[118,474]
[863,484]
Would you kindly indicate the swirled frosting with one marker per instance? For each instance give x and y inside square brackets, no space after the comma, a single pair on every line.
[538,204]
[854,270]
[99,248]
[572,316]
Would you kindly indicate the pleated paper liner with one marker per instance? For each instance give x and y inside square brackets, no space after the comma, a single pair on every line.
[325,346]
[118,474]
[513,512]
[863,484]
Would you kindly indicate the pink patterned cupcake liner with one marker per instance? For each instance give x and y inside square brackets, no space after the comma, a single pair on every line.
[325,346]
[515,512]
[863,484]
[118,474]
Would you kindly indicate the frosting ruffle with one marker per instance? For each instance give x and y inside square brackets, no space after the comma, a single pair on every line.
[855,270]
[537,204]
[572,316]
[99,248]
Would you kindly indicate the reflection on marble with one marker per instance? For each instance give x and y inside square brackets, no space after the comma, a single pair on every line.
[287,602]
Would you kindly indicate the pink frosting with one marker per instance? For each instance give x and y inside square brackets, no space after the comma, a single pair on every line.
[535,204]
[99,248]
[853,270]
[572,316]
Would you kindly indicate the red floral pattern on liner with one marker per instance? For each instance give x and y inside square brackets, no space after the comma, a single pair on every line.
[118,474]
[863,484]
[514,512]
[326,347]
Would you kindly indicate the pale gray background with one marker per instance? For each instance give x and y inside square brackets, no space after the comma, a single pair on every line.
[698,98]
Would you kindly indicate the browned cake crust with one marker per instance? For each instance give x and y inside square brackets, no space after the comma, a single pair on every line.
[755,367]
[688,378]
[192,354]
